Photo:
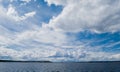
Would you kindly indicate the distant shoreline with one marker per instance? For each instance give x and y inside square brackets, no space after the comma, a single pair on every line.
[61,62]
[24,61]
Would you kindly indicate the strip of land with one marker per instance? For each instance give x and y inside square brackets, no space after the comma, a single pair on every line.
[62,62]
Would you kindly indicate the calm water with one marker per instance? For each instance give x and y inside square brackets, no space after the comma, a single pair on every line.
[59,67]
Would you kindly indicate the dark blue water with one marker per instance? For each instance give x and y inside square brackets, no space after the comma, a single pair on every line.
[59,67]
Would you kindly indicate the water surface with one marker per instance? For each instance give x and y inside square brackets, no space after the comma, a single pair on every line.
[59,67]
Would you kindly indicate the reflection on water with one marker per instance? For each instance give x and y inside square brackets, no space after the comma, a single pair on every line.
[59,67]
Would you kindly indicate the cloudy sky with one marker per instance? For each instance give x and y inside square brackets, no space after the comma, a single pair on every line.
[60,30]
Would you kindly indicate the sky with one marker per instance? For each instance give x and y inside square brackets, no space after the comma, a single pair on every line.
[60,30]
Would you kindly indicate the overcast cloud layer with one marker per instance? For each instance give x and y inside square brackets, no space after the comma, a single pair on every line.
[60,30]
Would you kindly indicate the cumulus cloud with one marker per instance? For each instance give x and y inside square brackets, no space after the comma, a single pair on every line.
[11,20]
[96,16]
[14,14]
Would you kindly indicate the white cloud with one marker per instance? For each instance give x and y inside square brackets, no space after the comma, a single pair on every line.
[45,36]
[27,1]
[11,12]
[57,2]
[11,20]
[57,54]
[14,14]
[93,15]
[27,15]
[30,14]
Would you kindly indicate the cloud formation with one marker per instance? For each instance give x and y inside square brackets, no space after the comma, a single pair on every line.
[96,16]
[12,13]
[61,39]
